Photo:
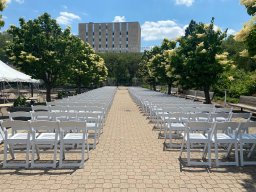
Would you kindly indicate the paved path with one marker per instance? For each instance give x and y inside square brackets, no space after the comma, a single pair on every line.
[129,157]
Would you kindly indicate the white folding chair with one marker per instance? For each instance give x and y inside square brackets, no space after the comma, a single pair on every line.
[93,125]
[74,133]
[47,138]
[247,141]
[197,135]
[223,137]
[20,138]
[173,127]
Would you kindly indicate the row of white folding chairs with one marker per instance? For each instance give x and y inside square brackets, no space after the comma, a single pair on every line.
[212,113]
[173,124]
[31,136]
[68,108]
[94,120]
[219,137]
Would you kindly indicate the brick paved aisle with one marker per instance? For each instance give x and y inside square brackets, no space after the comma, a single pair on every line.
[129,157]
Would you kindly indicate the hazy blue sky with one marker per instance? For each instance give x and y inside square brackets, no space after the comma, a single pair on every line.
[158,18]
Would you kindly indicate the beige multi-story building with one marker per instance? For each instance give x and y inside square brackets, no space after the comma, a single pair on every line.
[112,37]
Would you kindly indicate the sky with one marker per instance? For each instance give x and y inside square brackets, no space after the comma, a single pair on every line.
[159,19]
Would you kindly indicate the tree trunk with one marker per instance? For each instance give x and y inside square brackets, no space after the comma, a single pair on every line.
[207,95]
[169,90]
[48,93]
[154,87]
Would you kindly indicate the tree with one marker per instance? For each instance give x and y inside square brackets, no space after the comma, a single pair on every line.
[2,6]
[38,48]
[250,6]
[85,66]
[248,34]
[5,38]
[156,65]
[199,51]
[122,67]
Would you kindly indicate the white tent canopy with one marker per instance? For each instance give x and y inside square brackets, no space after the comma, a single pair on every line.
[8,74]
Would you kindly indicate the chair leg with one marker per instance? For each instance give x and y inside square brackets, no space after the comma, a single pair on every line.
[55,155]
[182,147]
[236,154]
[87,144]
[209,155]
[216,153]
[27,154]
[83,151]
[251,150]
[11,151]
[61,154]
[33,154]
[5,154]
[241,154]
[188,152]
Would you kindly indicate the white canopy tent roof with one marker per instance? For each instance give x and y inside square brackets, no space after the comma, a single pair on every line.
[8,74]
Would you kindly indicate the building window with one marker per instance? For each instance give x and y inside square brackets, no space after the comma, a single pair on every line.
[113,46]
[100,33]
[86,33]
[126,45]
[100,39]
[100,46]
[106,45]
[126,32]
[120,33]
[126,38]
[93,33]
[106,39]
[113,33]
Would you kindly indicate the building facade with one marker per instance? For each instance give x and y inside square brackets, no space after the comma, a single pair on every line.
[112,37]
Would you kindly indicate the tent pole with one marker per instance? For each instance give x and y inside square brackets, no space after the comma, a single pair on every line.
[32,89]
[3,91]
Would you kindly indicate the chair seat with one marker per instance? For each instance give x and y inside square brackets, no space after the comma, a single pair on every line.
[20,136]
[46,137]
[74,136]
[221,119]
[222,137]
[196,137]
[91,125]
[176,125]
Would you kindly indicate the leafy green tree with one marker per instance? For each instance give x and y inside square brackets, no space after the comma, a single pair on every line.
[38,48]
[5,38]
[236,50]
[85,66]
[122,67]
[250,6]
[198,50]
[247,34]
[2,6]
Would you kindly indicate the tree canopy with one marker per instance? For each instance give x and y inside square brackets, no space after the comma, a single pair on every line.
[43,50]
